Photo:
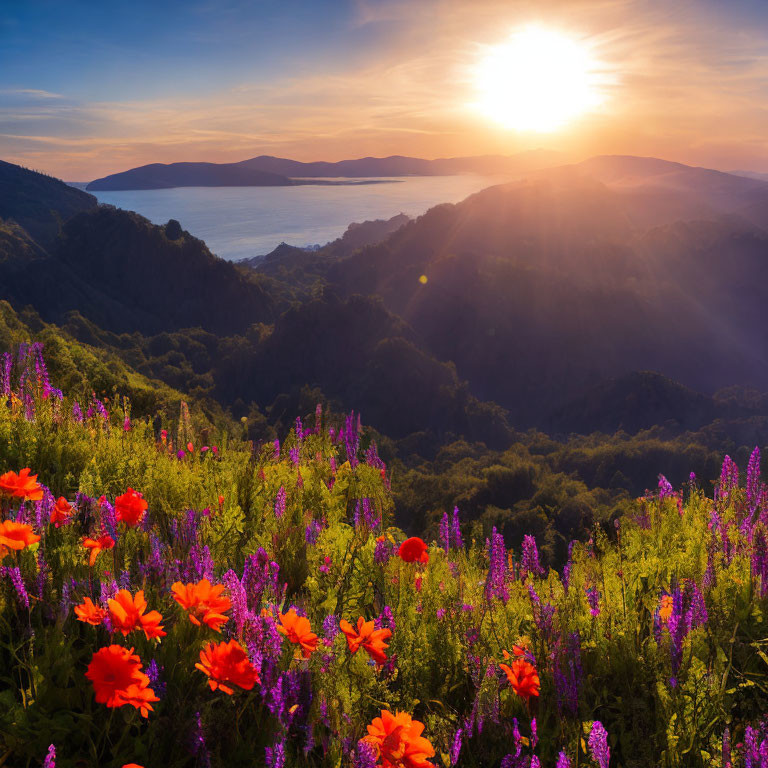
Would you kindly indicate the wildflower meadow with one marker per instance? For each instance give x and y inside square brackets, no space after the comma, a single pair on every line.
[171,597]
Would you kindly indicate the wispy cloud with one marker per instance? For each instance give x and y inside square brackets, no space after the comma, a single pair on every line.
[676,83]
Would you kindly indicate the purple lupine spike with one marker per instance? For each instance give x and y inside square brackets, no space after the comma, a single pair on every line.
[563,761]
[726,750]
[534,762]
[312,532]
[567,674]
[14,574]
[445,533]
[295,455]
[456,746]
[530,560]
[330,629]
[372,457]
[456,529]
[698,609]
[365,755]
[496,579]
[593,598]
[239,599]
[729,479]
[759,559]
[534,733]
[276,455]
[155,674]
[275,755]
[568,567]
[199,747]
[50,758]
[598,744]
[280,500]
[666,491]
[352,438]
[753,479]
[201,561]
[383,551]
[77,413]
[517,737]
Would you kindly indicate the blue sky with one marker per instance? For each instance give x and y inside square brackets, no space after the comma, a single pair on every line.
[88,88]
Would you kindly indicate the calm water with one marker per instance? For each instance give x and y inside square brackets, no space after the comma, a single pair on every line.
[237,222]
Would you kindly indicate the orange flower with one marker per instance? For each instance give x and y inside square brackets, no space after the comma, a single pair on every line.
[665,608]
[225,664]
[203,603]
[127,614]
[398,741]
[21,486]
[90,613]
[130,507]
[367,636]
[413,550]
[523,678]
[140,696]
[133,765]
[117,679]
[96,545]
[298,630]
[16,535]
[60,513]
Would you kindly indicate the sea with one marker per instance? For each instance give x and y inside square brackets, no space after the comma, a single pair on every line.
[242,222]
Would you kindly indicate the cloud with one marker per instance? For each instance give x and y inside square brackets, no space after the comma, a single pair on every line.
[679,82]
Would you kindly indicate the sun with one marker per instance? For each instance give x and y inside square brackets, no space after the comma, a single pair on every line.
[538,80]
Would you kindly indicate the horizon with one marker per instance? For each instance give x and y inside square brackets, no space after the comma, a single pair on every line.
[89,92]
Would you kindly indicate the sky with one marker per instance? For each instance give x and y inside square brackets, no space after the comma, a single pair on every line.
[91,88]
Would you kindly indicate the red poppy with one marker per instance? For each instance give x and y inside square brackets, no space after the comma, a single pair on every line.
[16,536]
[298,630]
[127,614]
[203,602]
[61,511]
[130,508]
[413,550]
[225,664]
[523,678]
[21,486]
[118,679]
[90,613]
[367,636]
[398,741]
[96,545]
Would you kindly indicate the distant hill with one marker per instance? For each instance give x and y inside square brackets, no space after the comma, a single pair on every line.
[39,203]
[540,290]
[275,171]
[397,165]
[161,176]
[114,266]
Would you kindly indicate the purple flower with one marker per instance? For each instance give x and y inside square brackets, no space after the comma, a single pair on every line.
[598,744]
[154,673]
[330,629]
[666,491]
[199,748]
[382,551]
[77,412]
[727,748]
[456,746]
[530,559]
[567,674]
[280,503]
[50,758]
[593,598]
[456,529]
[563,761]
[365,755]
[445,533]
[760,558]
[312,532]
[14,574]
[275,755]
[496,579]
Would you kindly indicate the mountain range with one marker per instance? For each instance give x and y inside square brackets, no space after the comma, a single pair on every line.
[617,293]
[275,171]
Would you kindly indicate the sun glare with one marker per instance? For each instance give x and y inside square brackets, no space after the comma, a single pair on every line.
[538,80]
